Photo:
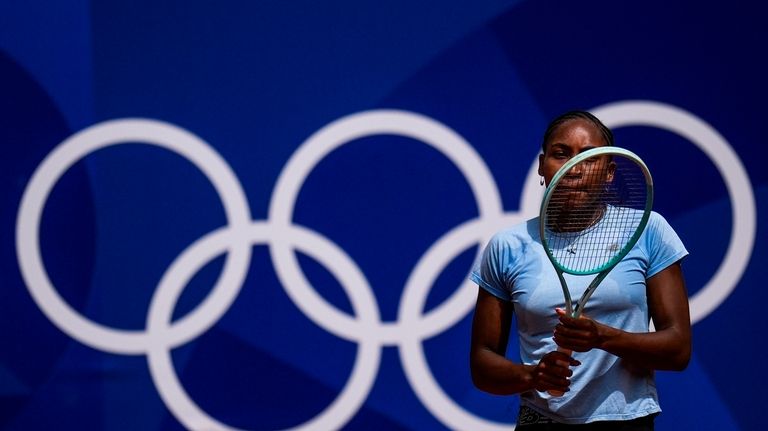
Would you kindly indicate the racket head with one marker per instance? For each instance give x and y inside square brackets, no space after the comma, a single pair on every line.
[595,209]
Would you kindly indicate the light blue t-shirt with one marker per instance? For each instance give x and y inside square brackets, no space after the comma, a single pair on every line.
[515,268]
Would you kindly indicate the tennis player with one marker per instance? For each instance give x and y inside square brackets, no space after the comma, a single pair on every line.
[608,380]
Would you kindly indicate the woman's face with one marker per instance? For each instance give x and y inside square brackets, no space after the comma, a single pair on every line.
[583,186]
[571,138]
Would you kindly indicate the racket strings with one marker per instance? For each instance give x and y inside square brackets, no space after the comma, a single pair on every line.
[594,212]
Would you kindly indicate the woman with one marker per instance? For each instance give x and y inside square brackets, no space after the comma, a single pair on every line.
[608,379]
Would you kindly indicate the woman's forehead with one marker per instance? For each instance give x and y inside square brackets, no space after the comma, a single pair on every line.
[577,126]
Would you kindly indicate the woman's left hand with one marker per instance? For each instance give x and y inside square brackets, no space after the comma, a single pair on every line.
[580,335]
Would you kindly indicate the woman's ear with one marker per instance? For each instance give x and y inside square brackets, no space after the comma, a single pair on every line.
[541,161]
[611,172]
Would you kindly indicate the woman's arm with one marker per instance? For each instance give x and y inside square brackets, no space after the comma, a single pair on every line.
[492,372]
[668,348]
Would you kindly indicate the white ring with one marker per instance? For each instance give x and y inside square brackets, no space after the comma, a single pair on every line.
[58,162]
[206,249]
[335,135]
[744,214]
[414,331]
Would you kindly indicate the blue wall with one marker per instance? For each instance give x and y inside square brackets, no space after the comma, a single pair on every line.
[260,215]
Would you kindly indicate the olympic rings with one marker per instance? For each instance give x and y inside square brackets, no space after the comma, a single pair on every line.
[284,238]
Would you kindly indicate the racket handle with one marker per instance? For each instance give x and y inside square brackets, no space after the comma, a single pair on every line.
[553,392]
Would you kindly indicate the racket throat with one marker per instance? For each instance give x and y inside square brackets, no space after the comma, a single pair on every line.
[566,293]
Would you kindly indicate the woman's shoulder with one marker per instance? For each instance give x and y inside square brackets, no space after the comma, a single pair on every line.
[518,234]
[657,222]
[660,233]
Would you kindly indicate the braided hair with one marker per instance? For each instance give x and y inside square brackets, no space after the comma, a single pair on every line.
[577,115]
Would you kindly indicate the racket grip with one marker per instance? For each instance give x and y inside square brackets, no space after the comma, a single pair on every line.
[553,392]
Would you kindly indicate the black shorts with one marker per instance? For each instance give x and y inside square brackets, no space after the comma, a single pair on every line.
[529,420]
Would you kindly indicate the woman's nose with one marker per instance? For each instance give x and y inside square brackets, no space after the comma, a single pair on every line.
[576,170]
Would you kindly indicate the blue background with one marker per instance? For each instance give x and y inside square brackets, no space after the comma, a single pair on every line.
[256,79]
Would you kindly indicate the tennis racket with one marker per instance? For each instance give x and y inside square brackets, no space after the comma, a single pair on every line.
[593,212]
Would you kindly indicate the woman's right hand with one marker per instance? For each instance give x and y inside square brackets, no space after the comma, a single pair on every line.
[553,372]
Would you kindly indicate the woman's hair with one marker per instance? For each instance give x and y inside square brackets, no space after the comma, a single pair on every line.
[576,115]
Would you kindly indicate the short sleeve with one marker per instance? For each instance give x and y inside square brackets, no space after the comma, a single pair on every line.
[489,272]
[663,245]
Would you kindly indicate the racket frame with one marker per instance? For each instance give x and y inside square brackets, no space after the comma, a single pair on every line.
[601,271]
